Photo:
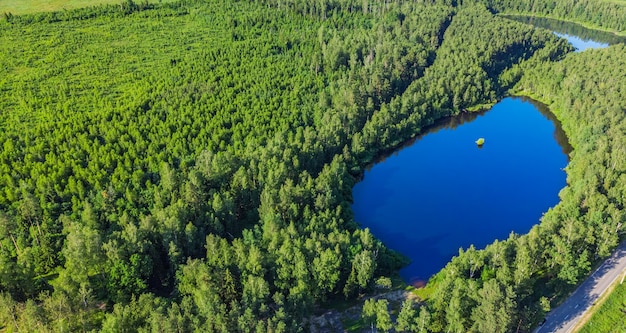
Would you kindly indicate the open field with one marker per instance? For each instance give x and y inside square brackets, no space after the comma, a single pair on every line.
[620,2]
[18,7]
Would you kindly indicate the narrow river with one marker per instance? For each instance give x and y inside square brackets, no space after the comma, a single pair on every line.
[580,37]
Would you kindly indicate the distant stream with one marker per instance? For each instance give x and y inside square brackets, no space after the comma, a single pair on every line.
[580,37]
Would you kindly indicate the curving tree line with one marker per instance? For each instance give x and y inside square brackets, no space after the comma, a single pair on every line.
[188,166]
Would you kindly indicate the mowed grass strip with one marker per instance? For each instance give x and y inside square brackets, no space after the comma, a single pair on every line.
[18,7]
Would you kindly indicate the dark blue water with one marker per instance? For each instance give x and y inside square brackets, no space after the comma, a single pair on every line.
[443,192]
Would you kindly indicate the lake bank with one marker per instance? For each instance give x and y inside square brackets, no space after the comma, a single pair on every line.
[442,192]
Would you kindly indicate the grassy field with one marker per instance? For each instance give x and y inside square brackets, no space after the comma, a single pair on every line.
[18,7]
[611,315]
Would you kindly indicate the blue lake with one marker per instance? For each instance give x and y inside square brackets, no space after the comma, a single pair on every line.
[441,191]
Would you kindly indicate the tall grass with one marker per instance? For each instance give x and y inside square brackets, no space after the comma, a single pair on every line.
[18,7]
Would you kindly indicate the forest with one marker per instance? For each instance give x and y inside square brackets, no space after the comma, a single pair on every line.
[188,166]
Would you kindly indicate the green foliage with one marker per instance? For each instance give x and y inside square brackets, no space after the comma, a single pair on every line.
[189,166]
[511,282]
[33,6]
[494,312]
[147,128]
[377,314]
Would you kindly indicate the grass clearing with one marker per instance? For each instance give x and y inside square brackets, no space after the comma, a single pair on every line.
[619,2]
[19,7]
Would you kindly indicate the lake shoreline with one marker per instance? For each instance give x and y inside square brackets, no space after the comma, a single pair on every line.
[582,24]
[416,184]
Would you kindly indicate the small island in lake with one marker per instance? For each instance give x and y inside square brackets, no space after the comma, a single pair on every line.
[480,141]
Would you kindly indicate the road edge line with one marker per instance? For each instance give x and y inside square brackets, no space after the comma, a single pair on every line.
[597,304]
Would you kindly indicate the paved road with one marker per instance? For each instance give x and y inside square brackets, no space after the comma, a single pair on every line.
[564,318]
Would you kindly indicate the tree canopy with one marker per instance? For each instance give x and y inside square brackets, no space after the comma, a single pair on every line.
[189,165]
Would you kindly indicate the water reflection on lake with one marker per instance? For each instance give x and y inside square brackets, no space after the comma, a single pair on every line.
[580,37]
[582,44]
[442,192]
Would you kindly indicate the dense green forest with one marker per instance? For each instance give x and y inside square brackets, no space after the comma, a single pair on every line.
[189,165]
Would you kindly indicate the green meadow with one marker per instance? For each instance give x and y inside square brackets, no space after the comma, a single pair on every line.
[16,7]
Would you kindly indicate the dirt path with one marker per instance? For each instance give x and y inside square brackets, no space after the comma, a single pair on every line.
[331,321]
